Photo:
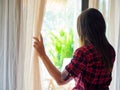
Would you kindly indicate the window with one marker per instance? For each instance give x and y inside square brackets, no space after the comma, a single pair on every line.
[59,34]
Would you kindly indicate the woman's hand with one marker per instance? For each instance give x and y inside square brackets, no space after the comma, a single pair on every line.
[39,46]
[54,72]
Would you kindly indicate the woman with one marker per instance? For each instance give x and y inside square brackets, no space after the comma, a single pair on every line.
[92,63]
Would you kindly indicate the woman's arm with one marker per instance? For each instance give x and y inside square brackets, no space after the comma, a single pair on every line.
[53,71]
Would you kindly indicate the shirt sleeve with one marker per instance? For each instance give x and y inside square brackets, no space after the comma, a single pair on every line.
[77,64]
[66,76]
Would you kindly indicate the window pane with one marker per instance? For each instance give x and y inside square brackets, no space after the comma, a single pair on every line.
[59,34]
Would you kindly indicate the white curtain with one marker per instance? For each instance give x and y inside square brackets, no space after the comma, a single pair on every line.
[20,20]
[93,4]
[117,40]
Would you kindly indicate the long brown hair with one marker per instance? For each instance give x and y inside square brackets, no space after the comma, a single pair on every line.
[91,28]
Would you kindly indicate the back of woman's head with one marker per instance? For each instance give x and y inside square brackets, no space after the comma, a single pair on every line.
[91,29]
[91,26]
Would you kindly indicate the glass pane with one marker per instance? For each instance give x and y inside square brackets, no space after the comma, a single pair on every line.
[59,34]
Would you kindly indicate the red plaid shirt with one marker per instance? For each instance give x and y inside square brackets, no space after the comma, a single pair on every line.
[88,70]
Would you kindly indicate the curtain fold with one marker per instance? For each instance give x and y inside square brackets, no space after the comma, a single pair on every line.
[117,44]
[39,13]
[94,4]
[20,20]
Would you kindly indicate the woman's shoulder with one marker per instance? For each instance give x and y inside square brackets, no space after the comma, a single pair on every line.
[85,48]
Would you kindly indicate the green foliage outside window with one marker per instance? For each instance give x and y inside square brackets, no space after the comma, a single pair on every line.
[61,46]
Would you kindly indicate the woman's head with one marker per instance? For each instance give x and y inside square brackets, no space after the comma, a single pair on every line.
[91,26]
[91,29]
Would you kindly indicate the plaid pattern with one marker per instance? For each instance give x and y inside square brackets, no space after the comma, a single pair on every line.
[88,70]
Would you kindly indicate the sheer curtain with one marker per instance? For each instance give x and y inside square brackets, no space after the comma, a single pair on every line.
[20,20]
[117,40]
[94,4]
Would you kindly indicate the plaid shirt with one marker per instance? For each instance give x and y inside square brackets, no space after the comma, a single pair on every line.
[88,70]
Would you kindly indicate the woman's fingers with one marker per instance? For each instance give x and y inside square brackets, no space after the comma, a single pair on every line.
[36,39]
[38,45]
[38,48]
